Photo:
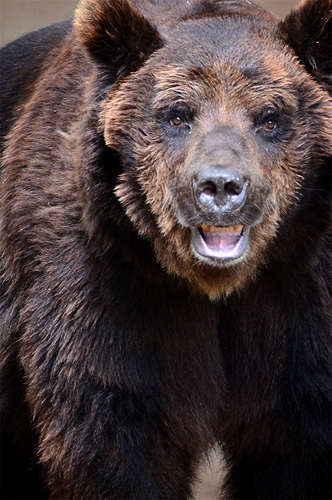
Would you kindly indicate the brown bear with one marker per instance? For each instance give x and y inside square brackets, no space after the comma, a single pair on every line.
[165,267]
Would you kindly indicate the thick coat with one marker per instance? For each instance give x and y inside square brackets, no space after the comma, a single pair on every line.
[165,268]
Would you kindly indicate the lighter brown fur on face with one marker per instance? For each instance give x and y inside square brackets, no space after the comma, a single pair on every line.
[215,96]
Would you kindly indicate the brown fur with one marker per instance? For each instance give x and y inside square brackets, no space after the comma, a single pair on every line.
[125,352]
[219,99]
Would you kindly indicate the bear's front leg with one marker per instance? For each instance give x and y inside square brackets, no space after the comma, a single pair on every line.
[111,443]
[122,404]
[280,476]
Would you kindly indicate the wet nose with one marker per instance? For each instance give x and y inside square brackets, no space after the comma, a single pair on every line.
[216,187]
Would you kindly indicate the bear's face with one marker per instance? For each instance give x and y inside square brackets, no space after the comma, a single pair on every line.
[217,133]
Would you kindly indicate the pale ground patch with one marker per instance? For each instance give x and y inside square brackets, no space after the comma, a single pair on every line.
[210,478]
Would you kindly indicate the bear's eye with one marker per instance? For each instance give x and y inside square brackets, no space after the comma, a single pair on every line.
[176,121]
[270,124]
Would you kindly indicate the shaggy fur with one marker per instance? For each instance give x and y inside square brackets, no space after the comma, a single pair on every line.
[127,351]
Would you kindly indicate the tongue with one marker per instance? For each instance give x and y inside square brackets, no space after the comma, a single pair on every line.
[223,241]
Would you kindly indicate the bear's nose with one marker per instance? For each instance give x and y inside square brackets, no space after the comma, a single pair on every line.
[217,187]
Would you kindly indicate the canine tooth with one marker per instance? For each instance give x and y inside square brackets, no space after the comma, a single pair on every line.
[206,229]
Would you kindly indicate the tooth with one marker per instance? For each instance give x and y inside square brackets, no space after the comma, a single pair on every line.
[222,229]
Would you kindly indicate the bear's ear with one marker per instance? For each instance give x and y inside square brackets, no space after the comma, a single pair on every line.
[115,34]
[308,30]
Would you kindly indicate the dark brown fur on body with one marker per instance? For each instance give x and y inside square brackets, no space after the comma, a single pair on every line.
[136,352]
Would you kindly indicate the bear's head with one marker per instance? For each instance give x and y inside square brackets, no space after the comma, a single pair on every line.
[221,119]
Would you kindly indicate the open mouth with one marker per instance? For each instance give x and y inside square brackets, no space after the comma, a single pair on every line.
[222,243]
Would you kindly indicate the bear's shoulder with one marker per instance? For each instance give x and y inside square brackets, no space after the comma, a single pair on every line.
[21,62]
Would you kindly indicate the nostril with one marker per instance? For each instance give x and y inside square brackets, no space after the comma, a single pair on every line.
[209,189]
[233,188]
